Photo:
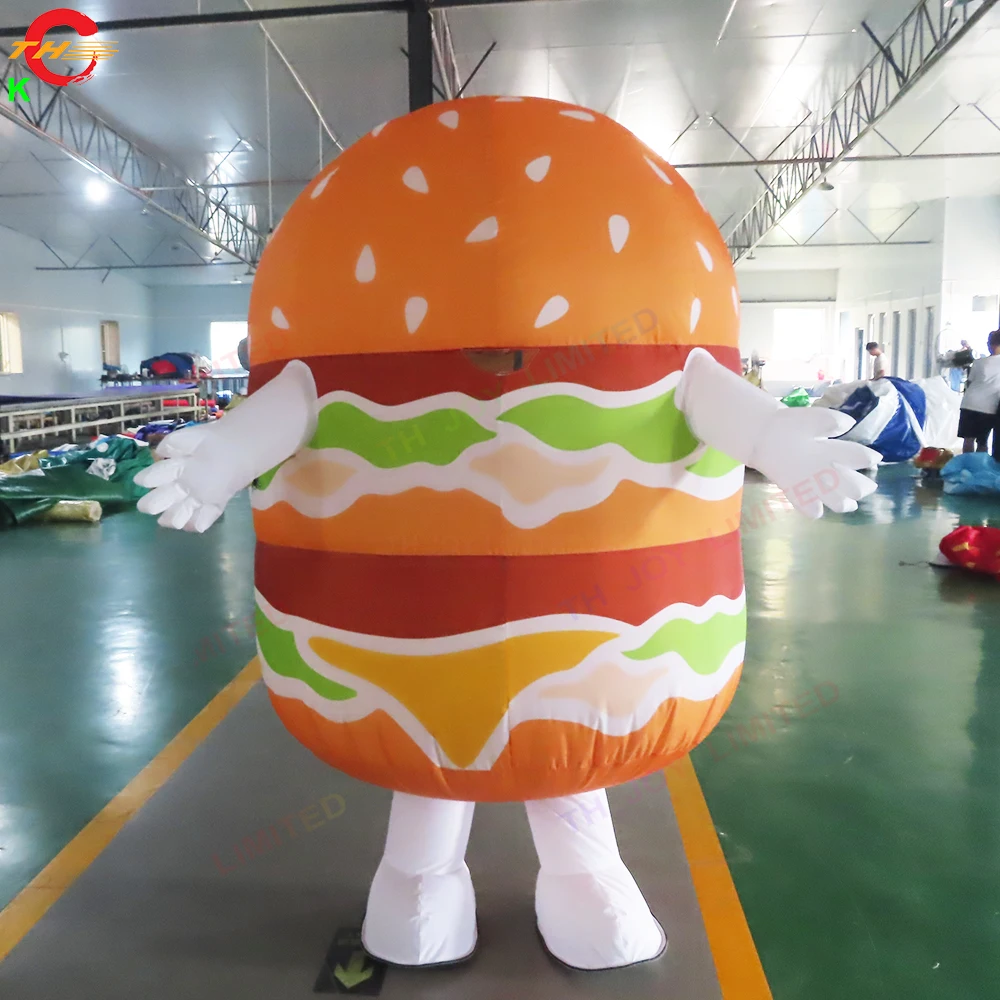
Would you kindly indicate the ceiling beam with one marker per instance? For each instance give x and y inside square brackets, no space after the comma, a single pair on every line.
[301,182]
[831,246]
[225,17]
[929,31]
[827,161]
[52,115]
[264,14]
[136,267]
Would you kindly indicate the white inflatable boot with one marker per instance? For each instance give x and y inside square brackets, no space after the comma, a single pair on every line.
[590,912]
[421,906]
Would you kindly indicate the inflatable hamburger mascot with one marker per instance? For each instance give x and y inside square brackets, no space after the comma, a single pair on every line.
[496,437]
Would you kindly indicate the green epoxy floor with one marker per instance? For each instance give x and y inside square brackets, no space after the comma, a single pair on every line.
[855,782]
[112,638]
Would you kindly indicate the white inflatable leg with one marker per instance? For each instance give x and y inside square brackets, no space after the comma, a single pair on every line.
[590,912]
[421,906]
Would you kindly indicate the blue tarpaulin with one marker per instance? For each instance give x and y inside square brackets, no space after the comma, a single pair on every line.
[896,417]
[977,473]
[889,415]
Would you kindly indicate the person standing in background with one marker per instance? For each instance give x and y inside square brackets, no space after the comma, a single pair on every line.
[981,401]
[878,368]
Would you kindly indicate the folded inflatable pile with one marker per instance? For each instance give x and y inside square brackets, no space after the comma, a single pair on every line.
[895,417]
[176,364]
[71,483]
[458,455]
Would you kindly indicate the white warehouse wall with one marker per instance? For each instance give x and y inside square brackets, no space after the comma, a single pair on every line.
[61,312]
[882,282]
[774,286]
[851,285]
[763,293]
[971,268]
[183,314]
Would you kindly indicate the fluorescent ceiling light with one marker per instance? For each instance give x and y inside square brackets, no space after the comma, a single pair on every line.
[97,191]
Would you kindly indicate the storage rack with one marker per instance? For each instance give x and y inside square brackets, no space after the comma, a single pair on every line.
[22,424]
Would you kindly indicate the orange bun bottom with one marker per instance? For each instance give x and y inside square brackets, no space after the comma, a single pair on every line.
[544,759]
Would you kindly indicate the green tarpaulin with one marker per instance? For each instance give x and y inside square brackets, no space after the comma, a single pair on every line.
[64,476]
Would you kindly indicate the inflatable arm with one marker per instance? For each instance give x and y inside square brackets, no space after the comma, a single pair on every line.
[792,447]
[205,467]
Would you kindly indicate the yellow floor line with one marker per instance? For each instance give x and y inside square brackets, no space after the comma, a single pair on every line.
[33,902]
[741,976]
[737,964]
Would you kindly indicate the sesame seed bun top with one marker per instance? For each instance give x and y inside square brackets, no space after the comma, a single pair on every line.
[492,223]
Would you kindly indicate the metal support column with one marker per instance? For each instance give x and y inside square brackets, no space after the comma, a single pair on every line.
[420,46]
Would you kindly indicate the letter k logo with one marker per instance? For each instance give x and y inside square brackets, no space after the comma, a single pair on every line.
[15,88]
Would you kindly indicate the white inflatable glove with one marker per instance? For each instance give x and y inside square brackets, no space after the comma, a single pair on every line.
[791,446]
[204,467]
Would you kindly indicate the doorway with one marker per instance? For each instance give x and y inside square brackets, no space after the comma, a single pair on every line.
[932,346]
[894,365]
[111,343]
[911,344]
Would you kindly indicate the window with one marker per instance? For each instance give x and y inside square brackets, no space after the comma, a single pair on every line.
[111,346]
[226,339]
[11,362]
[798,339]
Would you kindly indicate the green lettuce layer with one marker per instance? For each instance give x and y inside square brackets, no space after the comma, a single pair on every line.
[713,465]
[654,431]
[437,437]
[262,482]
[283,657]
[703,646]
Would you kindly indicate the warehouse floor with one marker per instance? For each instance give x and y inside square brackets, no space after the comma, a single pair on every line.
[853,784]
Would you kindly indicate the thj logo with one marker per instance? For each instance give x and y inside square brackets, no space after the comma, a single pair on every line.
[35,49]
